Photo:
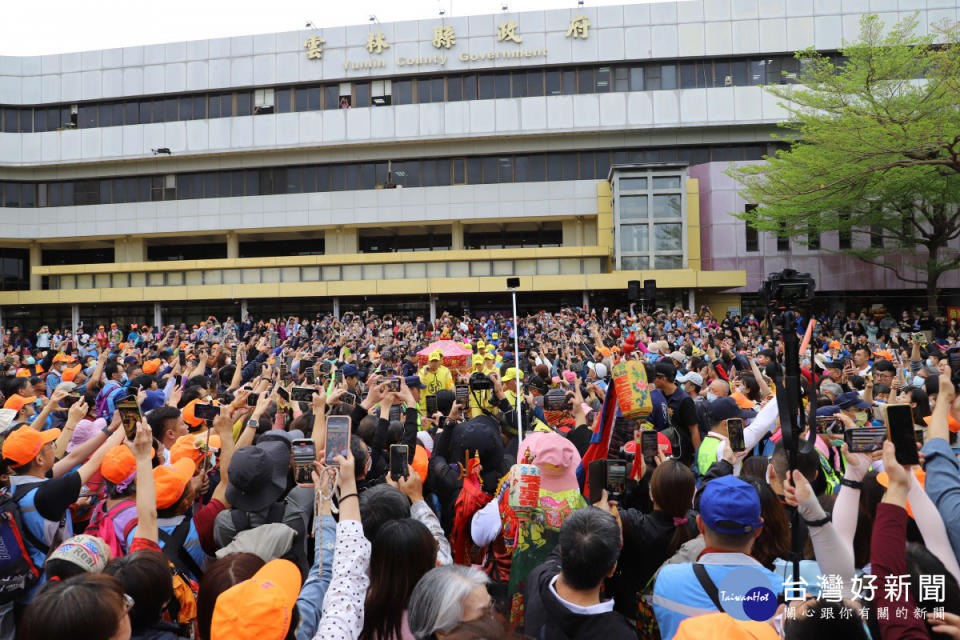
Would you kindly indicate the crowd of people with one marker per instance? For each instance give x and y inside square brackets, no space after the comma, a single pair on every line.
[392,477]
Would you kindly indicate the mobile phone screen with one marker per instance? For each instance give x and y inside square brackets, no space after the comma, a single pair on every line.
[431,405]
[252,399]
[648,444]
[865,439]
[206,411]
[310,376]
[338,438]
[395,413]
[616,478]
[129,416]
[900,432]
[302,394]
[349,398]
[399,459]
[283,393]
[735,434]
[304,453]
[183,358]
[394,384]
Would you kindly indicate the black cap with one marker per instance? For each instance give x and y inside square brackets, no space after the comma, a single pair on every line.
[726,407]
[666,369]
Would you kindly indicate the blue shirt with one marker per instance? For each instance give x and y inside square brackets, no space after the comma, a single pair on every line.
[310,601]
[191,544]
[943,486]
[678,595]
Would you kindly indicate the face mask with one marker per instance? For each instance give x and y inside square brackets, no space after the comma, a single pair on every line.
[229,360]
[918,381]
[930,362]
[123,377]
[711,396]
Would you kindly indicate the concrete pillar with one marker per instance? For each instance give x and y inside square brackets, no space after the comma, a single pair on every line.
[586,301]
[433,307]
[75,318]
[157,314]
[129,250]
[572,232]
[456,235]
[233,245]
[243,310]
[336,306]
[36,280]
[692,300]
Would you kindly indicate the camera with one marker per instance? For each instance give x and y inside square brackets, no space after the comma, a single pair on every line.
[480,382]
[787,289]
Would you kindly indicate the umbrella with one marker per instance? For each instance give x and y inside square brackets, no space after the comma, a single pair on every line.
[455,355]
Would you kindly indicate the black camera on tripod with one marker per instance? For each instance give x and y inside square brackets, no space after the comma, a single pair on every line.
[787,289]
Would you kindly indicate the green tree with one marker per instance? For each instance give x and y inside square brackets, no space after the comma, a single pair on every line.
[874,148]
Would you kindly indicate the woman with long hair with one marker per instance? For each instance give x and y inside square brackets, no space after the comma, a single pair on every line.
[651,538]
[403,552]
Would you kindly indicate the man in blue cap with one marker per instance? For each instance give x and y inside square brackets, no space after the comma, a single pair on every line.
[351,375]
[851,404]
[712,446]
[730,521]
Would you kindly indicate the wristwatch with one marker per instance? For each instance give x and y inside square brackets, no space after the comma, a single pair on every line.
[820,522]
[253,423]
[853,484]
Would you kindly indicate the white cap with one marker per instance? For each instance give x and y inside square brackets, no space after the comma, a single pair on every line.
[601,370]
[691,376]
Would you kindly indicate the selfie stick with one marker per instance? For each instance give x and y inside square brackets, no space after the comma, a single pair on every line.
[516,356]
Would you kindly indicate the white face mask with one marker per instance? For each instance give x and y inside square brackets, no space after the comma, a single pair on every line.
[930,362]
[711,396]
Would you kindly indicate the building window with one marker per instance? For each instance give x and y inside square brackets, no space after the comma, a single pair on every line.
[14,269]
[514,235]
[813,239]
[753,237]
[404,239]
[783,240]
[845,236]
[162,252]
[648,212]
[876,236]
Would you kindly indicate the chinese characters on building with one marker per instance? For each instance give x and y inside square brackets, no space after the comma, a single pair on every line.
[445,37]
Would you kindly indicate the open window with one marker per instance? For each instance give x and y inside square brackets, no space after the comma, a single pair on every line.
[345,100]
[381,93]
[263,101]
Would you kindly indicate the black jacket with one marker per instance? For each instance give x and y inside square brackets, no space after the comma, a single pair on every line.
[645,540]
[547,618]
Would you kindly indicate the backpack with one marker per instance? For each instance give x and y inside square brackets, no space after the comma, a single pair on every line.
[102,525]
[103,400]
[18,573]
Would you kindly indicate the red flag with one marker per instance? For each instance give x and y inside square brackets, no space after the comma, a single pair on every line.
[600,441]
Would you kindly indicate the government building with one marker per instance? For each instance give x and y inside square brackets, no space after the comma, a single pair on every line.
[411,166]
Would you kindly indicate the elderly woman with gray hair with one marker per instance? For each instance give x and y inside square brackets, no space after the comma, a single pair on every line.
[451,603]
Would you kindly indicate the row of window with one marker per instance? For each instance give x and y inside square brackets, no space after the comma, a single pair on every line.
[330,273]
[537,167]
[648,76]
[14,269]
[844,237]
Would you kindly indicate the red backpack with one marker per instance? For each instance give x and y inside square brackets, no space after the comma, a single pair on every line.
[103,524]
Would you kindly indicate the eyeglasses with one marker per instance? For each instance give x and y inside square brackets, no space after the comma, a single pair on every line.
[128,602]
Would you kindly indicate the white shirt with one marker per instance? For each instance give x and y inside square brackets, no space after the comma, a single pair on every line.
[604,606]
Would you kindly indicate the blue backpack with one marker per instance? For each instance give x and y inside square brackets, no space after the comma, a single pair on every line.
[18,573]
[108,394]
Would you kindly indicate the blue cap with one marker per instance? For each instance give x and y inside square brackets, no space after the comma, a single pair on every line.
[413,382]
[350,370]
[829,410]
[726,407]
[153,400]
[851,400]
[730,505]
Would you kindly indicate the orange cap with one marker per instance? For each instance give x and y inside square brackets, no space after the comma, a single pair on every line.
[16,401]
[151,366]
[259,608]
[605,352]
[835,344]
[25,443]
[62,357]
[191,447]
[421,458]
[743,401]
[23,373]
[71,372]
[715,626]
[951,422]
[170,481]
[119,464]
[188,415]
[883,479]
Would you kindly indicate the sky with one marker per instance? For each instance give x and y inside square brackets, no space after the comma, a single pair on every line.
[60,26]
